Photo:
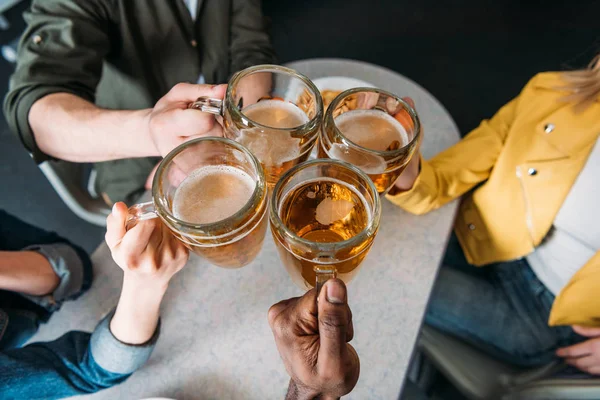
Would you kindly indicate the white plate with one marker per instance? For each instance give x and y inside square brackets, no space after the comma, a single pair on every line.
[336,83]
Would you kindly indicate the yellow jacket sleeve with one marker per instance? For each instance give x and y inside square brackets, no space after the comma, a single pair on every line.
[574,305]
[459,168]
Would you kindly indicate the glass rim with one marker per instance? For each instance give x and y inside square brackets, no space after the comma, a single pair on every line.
[329,119]
[364,234]
[277,69]
[255,198]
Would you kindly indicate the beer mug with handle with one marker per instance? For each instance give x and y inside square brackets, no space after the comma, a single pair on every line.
[211,193]
[274,111]
[324,217]
[373,130]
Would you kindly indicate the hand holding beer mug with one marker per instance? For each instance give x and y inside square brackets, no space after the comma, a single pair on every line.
[273,111]
[212,194]
[373,130]
[324,217]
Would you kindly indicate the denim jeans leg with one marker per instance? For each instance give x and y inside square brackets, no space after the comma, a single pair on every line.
[501,309]
[22,325]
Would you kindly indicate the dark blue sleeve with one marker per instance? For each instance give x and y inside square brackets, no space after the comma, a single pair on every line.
[51,370]
[73,364]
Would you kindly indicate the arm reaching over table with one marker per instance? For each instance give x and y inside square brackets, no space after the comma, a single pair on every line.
[78,362]
[312,338]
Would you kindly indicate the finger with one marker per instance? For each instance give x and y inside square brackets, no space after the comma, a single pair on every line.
[410,101]
[577,350]
[156,238]
[150,178]
[594,370]
[277,309]
[189,122]
[367,100]
[333,322]
[115,225]
[216,131]
[583,363]
[587,331]
[306,311]
[178,253]
[190,92]
[350,333]
[136,240]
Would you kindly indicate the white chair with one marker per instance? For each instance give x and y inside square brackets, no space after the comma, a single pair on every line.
[69,180]
[480,377]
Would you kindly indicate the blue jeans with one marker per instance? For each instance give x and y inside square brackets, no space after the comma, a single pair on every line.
[502,309]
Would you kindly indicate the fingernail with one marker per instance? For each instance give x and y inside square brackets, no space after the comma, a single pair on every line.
[336,293]
[114,208]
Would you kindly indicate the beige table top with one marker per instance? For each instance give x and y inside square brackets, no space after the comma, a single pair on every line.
[216,342]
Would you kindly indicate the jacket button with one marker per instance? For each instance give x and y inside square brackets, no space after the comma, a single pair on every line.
[193,42]
[548,128]
[37,39]
[471,227]
[532,171]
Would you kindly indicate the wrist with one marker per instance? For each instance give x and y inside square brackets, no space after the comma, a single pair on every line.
[298,391]
[147,139]
[142,288]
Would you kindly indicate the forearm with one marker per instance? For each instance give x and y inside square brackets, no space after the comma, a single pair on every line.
[27,272]
[73,129]
[138,311]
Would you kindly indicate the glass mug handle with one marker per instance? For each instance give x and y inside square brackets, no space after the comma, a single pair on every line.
[140,212]
[323,275]
[208,104]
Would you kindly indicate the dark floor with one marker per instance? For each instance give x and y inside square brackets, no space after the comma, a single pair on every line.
[473,55]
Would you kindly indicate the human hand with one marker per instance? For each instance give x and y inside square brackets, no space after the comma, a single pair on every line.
[148,253]
[407,179]
[584,356]
[171,123]
[312,339]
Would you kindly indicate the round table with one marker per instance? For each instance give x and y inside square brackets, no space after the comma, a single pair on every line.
[215,341]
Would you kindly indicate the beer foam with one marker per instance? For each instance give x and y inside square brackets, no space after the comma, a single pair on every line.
[273,147]
[372,129]
[276,114]
[212,193]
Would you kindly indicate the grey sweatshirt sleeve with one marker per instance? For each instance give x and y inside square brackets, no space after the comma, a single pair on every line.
[115,356]
[76,363]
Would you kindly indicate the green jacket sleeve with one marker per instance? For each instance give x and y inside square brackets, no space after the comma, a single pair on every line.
[61,50]
[250,43]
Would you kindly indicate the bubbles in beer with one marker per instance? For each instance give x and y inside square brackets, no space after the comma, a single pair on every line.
[373,130]
[212,193]
[277,146]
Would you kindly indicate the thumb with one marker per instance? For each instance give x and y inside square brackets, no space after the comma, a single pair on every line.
[587,331]
[410,101]
[333,316]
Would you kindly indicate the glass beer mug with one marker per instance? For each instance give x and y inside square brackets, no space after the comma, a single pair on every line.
[211,193]
[373,130]
[272,110]
[324,217]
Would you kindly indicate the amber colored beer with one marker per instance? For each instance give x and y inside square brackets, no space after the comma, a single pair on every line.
[275,143]
[372,130]
[212,194]
[323,210]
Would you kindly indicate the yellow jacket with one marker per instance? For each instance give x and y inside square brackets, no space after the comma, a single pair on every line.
[528,156]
